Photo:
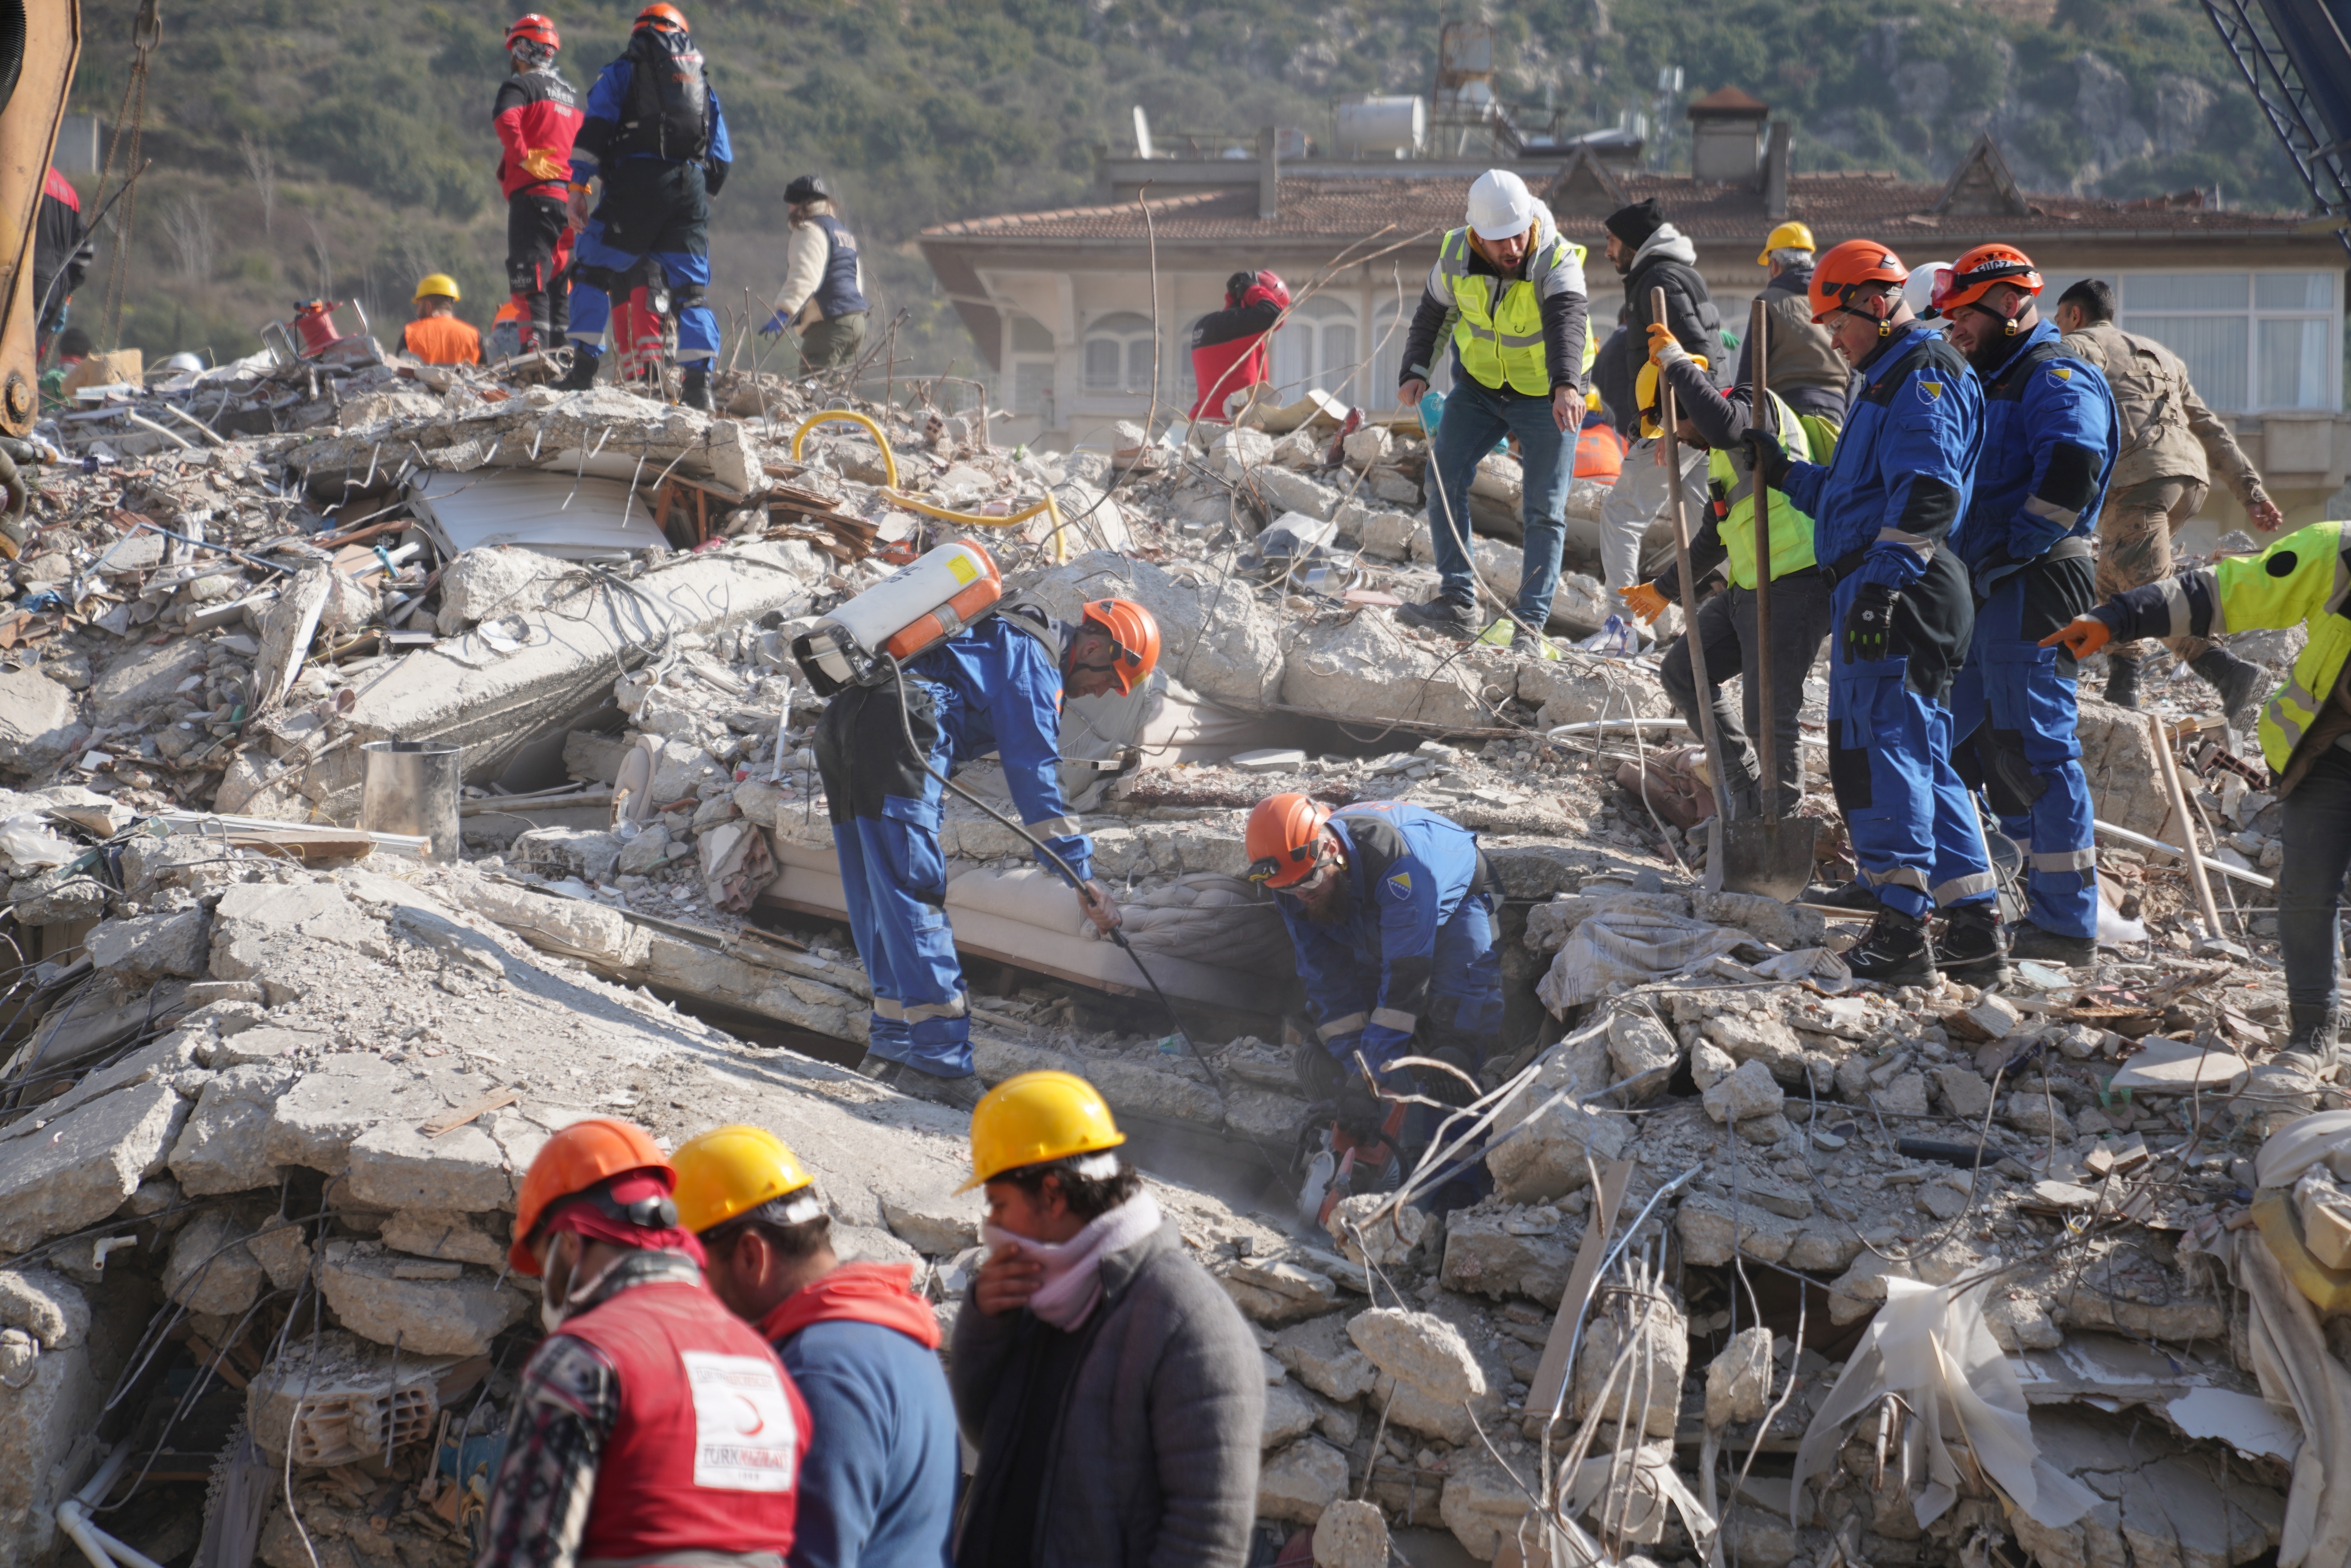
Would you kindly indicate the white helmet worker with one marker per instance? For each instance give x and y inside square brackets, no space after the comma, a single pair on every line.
[1500,205]
[1920,291]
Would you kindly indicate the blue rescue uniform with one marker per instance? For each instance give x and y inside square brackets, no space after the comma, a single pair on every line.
[1882,511]
[2049,446]
[1417,943]
[993,687]
[656,203]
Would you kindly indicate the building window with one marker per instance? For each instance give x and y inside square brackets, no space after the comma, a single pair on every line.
[1118,354]
[1029,366]
[1317,348]
[2252,342]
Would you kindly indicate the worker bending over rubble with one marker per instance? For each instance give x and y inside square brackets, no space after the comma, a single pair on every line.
[436,336]
[824,282]
[1231,349]
[1513,290]
[2305,735]
[652,1425]
[1390,907]
[1882,509]
[1114,1393]
[536,117]
[998,687]
[656,135]
[2049,443]
[1716,422]
[878,1484]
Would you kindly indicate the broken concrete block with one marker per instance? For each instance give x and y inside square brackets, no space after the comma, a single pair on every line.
[1351,1534]
[1298,1483]
[1825,1245]
[220,1148]
[393,1165]
[1288,1415]
[1709,1237]
[496,579]
[1557,1153]
[1318,1354]
[1785,925]
[1995,1015]
[1905,1094]
[935,1227]
[1288,491]
[1372,1223]
[149,945]
[39,725]
[1639,1046]
[1369,445]
[1422,1350]
[62,1175]
[2125,775]
[449,1234]
[1962,1088]
[1217,642]
[645,853]
[211,1270]
[1578,693]
[1757,1036]
[2039,1114]
[1751,1090]
[284,1253]
[1738,1381]
[49,1309]
[57,898]
[1500,1252]
[1483,1506]
[1238,452]
[1710,1064]
[1649,1385]
[314,1123]
[1273,1291]
[2160,1500]
[50,1401]
[1365,668]
[457,1316]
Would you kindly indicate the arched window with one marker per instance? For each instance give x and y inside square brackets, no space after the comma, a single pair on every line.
[1118,353]
[1317,347]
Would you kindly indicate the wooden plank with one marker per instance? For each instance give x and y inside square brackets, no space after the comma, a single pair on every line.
[1550,1381]
[456,1116]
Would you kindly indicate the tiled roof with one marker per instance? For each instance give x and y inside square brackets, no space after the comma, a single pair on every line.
[1338,208]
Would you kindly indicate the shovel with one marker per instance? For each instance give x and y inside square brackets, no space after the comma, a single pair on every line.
[1751,855]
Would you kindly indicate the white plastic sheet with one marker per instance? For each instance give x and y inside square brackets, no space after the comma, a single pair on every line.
[1632,948]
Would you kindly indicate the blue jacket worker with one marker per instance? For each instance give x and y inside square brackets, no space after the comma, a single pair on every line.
[877,1481]
[1391,909]
[2050,442]
[1883,510]
[654,132]
[996,686]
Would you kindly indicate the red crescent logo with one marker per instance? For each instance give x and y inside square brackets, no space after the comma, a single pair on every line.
[759,1422]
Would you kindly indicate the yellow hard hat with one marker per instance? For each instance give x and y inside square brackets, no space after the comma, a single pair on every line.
[1644,393]
[730,1171]
[438,284]
[1787,236]
[1034,1118]
[1592,401]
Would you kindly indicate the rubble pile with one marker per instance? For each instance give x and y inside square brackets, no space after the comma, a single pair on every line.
[270,1080]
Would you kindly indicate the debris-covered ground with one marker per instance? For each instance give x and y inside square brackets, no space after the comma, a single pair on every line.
[1957,1276]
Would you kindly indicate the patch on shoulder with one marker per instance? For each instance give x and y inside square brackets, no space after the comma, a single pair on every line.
[1929,391]
[2061,374]
[1400,884]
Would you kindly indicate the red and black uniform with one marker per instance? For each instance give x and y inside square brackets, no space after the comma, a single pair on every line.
[1228,346]
[536,118]
[61,253]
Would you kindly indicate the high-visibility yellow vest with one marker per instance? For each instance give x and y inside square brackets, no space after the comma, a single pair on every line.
[1504,341]
[2304,576]
[1733,485]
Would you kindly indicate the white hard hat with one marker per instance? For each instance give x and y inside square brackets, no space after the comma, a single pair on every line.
[183,361]
[1920,291]
[1500,205]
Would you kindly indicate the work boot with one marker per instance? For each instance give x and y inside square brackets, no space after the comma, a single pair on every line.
[694,388]
[2314,1045]
[2122,680]
[2027,940]
[879,1069]
[1855,897]
[583,373]
[956,1094]
[1894,951]
[1453,617]
[1973,940]
[2238,682]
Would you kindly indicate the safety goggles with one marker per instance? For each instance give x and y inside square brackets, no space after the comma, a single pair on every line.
[1263,870]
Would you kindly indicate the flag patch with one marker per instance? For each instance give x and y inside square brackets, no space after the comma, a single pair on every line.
[1400,884]
[1929,391]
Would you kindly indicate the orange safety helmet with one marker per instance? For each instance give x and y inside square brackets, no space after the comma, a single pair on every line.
[1136,631]
[1846,267]
[536,28]
[662,19]
[1973,275]
[581,1157]
[1285,839]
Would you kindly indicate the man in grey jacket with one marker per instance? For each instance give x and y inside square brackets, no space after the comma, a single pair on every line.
[1114,1394]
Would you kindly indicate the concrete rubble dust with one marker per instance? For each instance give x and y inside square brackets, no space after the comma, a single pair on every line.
[271,1081]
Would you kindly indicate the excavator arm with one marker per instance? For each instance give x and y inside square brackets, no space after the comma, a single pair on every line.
[40,42]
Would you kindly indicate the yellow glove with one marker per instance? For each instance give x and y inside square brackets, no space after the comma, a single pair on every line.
[1644,601]
[542,163]
[2083,636]
[1664,347]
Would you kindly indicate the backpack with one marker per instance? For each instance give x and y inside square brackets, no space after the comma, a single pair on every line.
[669,98]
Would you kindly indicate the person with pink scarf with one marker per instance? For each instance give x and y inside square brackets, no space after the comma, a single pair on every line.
[1112,1390]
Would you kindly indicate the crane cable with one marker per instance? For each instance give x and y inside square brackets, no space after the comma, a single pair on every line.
[145,34]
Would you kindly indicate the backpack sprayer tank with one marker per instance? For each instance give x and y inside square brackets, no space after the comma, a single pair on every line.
[915,607]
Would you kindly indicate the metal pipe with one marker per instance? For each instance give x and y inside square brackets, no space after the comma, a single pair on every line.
[2142,842]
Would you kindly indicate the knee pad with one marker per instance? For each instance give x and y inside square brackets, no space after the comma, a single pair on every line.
[602,279]
[686,296]
[2010,778]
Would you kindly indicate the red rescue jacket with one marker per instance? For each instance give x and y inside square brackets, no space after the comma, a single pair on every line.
[536,116]
[877,1293]
[705,1456]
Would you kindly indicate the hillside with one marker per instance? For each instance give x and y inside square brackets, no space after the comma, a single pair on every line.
[346,149]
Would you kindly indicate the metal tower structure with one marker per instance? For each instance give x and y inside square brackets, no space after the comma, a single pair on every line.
[2296,59]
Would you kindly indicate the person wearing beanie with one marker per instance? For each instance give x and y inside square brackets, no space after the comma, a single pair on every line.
[824,282]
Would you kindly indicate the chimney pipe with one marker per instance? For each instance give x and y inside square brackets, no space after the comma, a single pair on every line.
[1269,173]
[1775,170]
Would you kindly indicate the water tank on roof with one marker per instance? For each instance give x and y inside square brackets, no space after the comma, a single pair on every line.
[1383,127]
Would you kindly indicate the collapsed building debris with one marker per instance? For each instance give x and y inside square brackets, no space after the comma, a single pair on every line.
[270,1080]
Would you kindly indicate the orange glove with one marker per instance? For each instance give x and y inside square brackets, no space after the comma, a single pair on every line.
[2083,636]
[1644,601]
[1664,347]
